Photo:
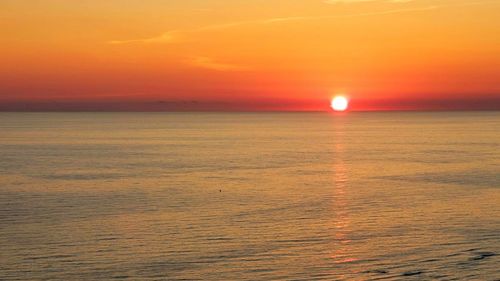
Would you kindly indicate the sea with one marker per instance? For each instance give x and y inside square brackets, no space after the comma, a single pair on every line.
[250,196]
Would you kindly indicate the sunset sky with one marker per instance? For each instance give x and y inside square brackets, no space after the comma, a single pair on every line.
[249,54]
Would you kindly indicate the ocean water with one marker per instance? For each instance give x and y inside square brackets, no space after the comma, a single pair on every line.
[250,196]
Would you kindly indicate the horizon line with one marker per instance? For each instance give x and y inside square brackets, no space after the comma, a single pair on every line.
[249,111]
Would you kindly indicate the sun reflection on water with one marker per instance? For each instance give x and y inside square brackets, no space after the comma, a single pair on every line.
[340,207]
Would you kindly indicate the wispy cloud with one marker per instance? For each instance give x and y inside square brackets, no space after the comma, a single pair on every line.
[167,37]
[176,35]
[209,63]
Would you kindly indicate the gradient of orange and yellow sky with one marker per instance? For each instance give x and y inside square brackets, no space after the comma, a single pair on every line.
[249,54]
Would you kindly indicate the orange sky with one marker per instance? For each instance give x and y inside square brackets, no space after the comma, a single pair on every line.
[249,54]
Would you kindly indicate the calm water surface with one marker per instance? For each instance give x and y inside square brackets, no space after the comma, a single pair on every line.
[157,196]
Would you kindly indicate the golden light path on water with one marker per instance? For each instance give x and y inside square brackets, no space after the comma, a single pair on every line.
[340,206]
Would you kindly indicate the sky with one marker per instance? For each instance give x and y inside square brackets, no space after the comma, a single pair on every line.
[249,55]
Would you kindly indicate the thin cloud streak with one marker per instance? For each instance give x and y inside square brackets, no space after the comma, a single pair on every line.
[211,64]
[174,35]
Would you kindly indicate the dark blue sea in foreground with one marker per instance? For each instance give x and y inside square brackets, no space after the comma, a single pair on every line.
[250,196]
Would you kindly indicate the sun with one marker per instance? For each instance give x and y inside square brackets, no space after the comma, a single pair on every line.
[340,103]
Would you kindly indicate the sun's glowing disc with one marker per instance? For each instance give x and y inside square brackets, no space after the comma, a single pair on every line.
[340,103]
